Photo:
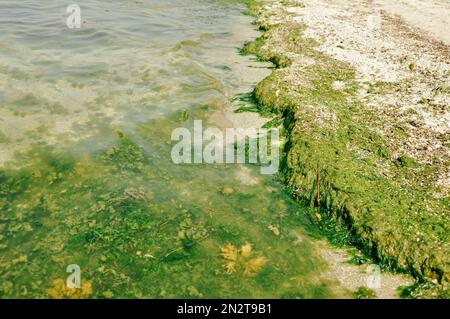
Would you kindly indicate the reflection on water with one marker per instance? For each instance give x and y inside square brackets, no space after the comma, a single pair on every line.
[72,191]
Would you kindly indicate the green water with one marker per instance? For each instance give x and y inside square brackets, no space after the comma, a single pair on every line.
[86,176]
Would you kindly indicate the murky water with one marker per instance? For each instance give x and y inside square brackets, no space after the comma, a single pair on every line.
[85,133]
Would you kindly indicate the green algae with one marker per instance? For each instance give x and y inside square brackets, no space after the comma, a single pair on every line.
[334,160]
[114,203]
[142,227]
[364,293]
[3,138]
[406,161]
[425,290]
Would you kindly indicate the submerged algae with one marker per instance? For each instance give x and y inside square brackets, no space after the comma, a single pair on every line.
[140,226]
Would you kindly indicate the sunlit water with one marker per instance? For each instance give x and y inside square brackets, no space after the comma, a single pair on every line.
[74,191]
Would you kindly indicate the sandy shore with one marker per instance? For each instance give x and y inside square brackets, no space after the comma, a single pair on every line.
[373,38]
[430,16]
[365,87]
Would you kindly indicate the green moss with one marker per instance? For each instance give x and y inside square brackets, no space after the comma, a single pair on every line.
[252,7]
[126,217]
[126,155]
[381,87]
[3,138]
[335,159]
[252,47]
[364,293]
[425,290]
[406,161]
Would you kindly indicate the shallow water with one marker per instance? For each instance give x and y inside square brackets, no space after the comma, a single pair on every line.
[75,191]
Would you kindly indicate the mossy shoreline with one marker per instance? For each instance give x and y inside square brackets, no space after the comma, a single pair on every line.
[335,162]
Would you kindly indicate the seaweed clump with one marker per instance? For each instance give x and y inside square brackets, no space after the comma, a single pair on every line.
[336,162]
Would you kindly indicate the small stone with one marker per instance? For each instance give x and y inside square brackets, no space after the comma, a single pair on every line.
[413,66]
[275,229]
[22,259]
[227,191]
[338,85]
[120,134]
[246,250]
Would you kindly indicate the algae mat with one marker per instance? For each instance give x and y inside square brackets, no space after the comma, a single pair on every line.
[352,150]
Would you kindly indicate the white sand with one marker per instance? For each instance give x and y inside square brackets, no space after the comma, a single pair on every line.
[432,16]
